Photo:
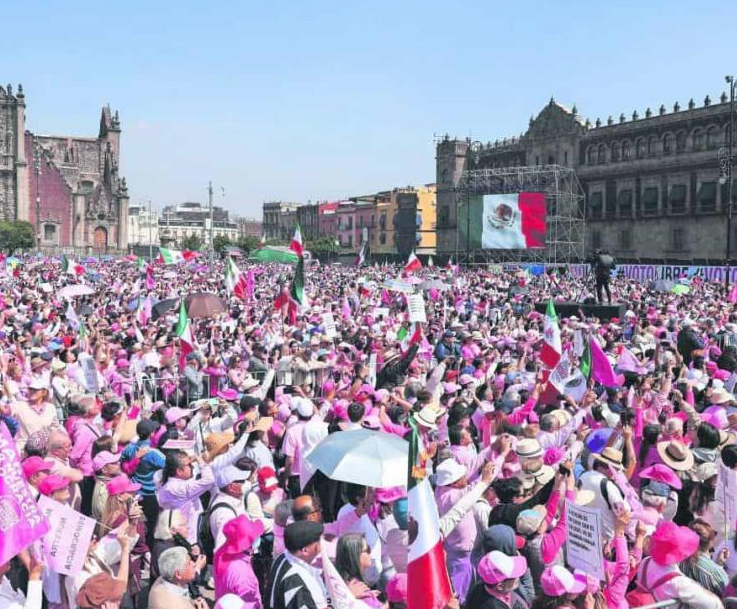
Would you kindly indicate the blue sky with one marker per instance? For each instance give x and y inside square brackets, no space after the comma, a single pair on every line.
[325,99]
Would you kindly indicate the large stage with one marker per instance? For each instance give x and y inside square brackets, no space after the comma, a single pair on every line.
[603,312]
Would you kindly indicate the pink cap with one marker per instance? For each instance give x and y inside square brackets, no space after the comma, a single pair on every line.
[176,413]
[553,455]
[557,581]
[466,379]
[390,495]
[496,567]
[122,484]
[50,484]
[122,363]
[662,473]
[229,394]
[451,387]
[35,464]
[104,458]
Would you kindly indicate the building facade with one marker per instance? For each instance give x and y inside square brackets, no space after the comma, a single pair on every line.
[279,220]
[651,181]
[192,218]
[68,187]
[308,218]
[143,225]
[249,227]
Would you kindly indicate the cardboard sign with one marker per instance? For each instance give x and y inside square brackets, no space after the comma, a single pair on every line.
[90,372]
[66,544]
[583,540]
[416,305]
[179,445]
[578,346]
[329,323]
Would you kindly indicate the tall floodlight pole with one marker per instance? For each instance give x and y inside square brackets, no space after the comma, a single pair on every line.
[475,154]
[37,171]
[212,238]
[150,231]
[725,175]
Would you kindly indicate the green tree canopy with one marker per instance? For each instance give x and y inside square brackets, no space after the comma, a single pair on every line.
[16,235]
[192,242]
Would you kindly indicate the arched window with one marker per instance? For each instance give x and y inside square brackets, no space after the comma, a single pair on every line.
[640,148]
[712,137]
[615,152]
[667,143]
[681,141]
[651,145]
[602,153]
[698,139]
[626,150]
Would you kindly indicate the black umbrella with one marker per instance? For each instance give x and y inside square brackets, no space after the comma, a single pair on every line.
[162,307]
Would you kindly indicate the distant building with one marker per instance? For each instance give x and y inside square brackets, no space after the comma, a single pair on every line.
[143,226]
[652,182]
[414,221]
[327,218]
[279,220]
[308,218]
[249,227]
[68,187]
[192,218]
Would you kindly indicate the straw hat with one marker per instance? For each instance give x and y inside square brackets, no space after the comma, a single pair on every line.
[610,456]
[217,443]
[676,455]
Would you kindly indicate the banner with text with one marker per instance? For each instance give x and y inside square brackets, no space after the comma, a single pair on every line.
[583,541]
[65,545]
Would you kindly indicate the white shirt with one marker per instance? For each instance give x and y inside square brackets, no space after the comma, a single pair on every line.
[12,599]
[222,515]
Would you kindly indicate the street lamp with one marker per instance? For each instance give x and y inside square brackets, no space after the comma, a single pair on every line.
[37,151]
[724,156]
[474,153]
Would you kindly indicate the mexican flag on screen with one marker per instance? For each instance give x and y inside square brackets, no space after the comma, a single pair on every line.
[513,221]
[428,585]
[184,332]
[551,349]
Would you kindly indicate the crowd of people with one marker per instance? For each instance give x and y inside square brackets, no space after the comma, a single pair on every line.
[195,464]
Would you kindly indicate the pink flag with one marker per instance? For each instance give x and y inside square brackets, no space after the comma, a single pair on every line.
[250,283]
[21,521]
[346,309]
[627,362]
[601,368]
[733,294]
[150,284]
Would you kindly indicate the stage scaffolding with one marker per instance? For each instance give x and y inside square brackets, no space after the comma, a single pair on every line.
[566,224]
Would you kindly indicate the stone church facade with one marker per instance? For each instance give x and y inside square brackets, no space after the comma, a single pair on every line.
[651,182]
[67,187]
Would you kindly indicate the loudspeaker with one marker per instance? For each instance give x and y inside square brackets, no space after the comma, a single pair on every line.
[602,312]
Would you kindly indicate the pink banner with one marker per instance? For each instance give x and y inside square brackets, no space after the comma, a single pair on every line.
[66,544]
[21,521]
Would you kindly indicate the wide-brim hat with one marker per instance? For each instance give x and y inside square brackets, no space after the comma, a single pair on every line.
[721,396]
[676,455]
[217,443]
[610,456]
[448,472]
[670,543]
[662,473]
[428,416]
[240,533]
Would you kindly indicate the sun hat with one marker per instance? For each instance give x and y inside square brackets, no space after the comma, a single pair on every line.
[670,543]
[176,413]
[390,495]
[597,439]
[496,567]
[610,456]
[706,471]
[38,385]
[229,474]
[662,473]
[267,480]
[584,496]
[428,416]
[529,521]
[529,448]
[52,483]
[264,424]
[33,465]
[240,533]
[122,363]
[217,443]
[104,458]
[721,396]
[122,484]
[557,581]
[676,455]
[448,472]
[305,407]
[229,394]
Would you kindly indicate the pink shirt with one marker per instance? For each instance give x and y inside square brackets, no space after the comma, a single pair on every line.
[237,577]
[292,443]
[83,435]
[463,536]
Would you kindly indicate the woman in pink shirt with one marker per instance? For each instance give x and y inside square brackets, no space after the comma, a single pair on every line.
[232,566]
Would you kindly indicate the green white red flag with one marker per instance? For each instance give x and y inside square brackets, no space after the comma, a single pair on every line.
[184,332]
[296,245]
[552,348]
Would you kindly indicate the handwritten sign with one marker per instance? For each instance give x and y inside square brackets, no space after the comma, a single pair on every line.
[329,323]
[416,305]
[583,541]
[90,372]
[179,445]
[65,545]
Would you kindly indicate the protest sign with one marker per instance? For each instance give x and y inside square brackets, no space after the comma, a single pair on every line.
[583,540]
[381,312]
[179,445]
[90,372]
[21,521]
[329,323]
[416,305]
[726,495]
[578,345]
[66,544]
[372,369]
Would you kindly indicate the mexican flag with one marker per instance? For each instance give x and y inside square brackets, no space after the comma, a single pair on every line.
[551,349]
[235,282]
[428,585]
[296,244]
[563,381]
[408,339]
[184,332]
[362,254]
[297,291]
[142,265]
[168,256]
[68,266]
[413,263]
[72,318]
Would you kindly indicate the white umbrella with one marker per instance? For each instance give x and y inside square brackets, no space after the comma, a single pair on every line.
[70,291]
[363,456]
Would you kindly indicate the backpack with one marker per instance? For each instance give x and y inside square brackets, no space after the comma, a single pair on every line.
[205,539]
[643,594]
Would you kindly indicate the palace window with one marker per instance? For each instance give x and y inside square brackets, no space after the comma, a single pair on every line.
[615,152]
[626,151]
[591,155]
[712,137]
[650,201]
[595,239]
[678,239]
[651,145]
[602,153]
[624,203]
[596,205]
[677,199]
[624,240]
[680,141]
[667,143]
[699,139]
[708,197]
[640,148]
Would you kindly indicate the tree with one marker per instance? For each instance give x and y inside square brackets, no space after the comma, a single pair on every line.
[192,242]
[16,235]
[325,244]
[248,243]
[220,243]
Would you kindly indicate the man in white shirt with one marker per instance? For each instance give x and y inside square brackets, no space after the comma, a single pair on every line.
[227,503]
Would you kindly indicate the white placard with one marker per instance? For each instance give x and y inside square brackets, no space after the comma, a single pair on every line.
[329,322]
[578,346]
[416,305]
[381,312]
[66,544]
[87,363]
[583,540]
[372,369]
[179,445]
[726,495]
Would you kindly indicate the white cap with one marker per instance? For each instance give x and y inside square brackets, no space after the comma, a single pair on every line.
[230,473]
[305,407]
[448,472]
